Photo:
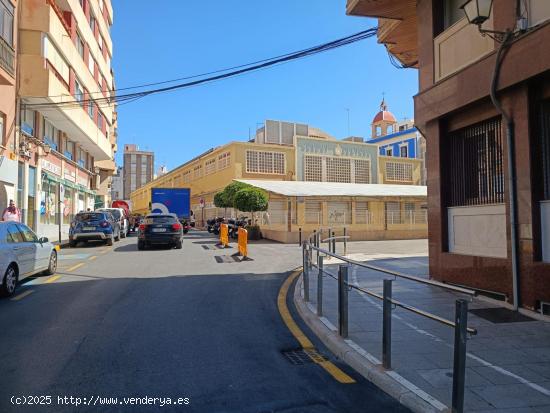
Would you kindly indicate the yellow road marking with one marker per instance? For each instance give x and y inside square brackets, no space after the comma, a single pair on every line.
[93,257]
[52,279]
[74,267]
[105,251]
[22,295]
[330,367]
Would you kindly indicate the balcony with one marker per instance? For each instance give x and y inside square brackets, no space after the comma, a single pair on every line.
[460,45]
[40,84]
[7,62]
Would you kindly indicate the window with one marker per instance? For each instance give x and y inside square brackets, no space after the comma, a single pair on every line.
[544,145]
[197,172]
[91,64]
[92,23]
[67,207]
[48,202]
[339,170]
[91,109]
[399,171]
[362,215]
[224,160]
[56,59]
[362,171]
[210,166]
[186,177]
[28,235]
[403,151]
[313,168]
[69,149]
[314,212]
[389,152]
[474,172]
[14,235]
[78,92]
[393,213]
[452,12]
[100,120]
[265,162]
[3,140]
[378,130]
[81,158]
[339,213]
[51,135]
[6,21]
[27,121]
[80,45]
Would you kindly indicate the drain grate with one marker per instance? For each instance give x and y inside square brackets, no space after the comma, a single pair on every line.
[301,356]
[499,315]
[226,259]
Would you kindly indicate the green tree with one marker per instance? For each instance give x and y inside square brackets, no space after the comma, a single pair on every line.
[231,190]
[221,201]
[250,200]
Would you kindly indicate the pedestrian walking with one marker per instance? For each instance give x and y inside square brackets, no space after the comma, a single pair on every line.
[11,213]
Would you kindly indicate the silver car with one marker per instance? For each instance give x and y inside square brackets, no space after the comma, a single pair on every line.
[23,254]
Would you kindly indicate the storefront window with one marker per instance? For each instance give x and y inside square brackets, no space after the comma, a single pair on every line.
[68,205]
[48,202]
[81,206]
[31,197]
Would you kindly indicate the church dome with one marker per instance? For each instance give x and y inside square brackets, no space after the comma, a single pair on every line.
[384,114]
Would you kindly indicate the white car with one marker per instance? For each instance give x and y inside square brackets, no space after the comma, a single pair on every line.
[23,254]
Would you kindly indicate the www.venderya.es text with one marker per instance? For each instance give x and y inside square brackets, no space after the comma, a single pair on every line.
[95,400]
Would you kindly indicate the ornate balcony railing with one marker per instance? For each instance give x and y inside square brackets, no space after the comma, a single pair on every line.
[7,57]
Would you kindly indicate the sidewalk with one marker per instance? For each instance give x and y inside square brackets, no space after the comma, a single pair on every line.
[508,363]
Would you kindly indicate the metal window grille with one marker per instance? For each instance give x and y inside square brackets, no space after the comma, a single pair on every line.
[544,136]
[362,171]
[313,168]
[197,172]
[210,166]
[339,213]
[475,174]
[276,213]
[399,172]
[224,160]
[314,212]
[362,214]
[339,170]
[264,162]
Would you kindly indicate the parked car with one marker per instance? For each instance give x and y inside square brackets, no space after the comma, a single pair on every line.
[160,229]
[94,226]
[23,254]
[120,217]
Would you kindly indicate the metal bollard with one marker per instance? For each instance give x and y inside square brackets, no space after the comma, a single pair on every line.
[459,365]
[333,242]
[329,248]
[299,236]
[320,286]
[345,242]
[305,272]
[317,242]
[386,325]
[343,301]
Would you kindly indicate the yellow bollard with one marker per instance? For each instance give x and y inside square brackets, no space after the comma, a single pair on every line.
[243,243]
[224,235]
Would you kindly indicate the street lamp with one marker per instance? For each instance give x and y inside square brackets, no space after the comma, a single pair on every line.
[478,12]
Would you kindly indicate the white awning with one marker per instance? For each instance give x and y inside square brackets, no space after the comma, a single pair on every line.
[299,188]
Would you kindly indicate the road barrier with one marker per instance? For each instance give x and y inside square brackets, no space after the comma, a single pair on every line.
[460,323]
[242,235]
[224,235]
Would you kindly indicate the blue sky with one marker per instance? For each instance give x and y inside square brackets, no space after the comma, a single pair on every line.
[182,38]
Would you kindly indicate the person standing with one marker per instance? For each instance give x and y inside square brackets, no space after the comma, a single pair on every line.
[11,213]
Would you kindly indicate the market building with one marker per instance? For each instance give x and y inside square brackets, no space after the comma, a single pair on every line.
[488,149]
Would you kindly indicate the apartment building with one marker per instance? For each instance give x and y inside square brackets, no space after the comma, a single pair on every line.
[67,139]
[8,63]
[286,151]
[138,169]
[482,232]
[117,185]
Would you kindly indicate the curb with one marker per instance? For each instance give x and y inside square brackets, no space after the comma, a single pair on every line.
[388,381]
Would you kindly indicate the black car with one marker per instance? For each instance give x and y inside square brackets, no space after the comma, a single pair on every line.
[160,229]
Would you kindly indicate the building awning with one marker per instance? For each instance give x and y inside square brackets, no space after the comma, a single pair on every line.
[300,188]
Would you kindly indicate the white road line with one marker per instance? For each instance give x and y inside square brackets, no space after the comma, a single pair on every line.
[501,370]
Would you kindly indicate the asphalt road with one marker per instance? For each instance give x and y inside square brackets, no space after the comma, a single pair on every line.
[115,322]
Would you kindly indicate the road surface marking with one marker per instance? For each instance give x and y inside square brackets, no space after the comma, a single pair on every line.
[52,279]
[74,267]
[22,295]
[330,367]
[93,257]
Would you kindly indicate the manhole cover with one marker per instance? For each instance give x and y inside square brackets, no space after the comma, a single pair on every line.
[499,315]
[303,356]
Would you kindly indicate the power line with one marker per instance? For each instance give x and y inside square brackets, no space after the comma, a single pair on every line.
[242,69]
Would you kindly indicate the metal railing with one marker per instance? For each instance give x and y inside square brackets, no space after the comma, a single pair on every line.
[7,57]
[460,323]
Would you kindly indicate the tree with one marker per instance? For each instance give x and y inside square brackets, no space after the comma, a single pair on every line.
[250,200]
[231,190]
[221,201]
